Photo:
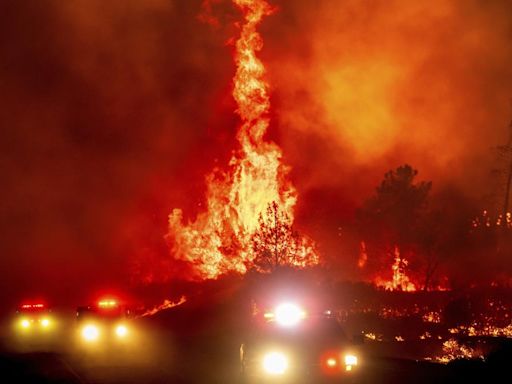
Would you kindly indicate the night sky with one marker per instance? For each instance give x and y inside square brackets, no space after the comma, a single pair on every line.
[113,112]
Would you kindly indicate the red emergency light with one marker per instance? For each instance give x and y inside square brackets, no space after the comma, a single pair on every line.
[31,306]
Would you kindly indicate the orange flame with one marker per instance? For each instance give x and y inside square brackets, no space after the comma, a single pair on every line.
[487,220]
[452,350]
[363,255]
[400,280]
[219,240]
[165,305]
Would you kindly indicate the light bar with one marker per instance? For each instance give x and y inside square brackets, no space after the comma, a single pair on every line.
[289,315]
[29,306]
[107,303]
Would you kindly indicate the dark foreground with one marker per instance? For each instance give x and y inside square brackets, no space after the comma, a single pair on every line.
[172,359]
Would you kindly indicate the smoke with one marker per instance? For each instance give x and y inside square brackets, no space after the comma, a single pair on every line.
[361,87]
[388,82]
[113,113]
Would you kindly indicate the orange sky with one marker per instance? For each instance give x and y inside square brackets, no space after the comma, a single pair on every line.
[114,112]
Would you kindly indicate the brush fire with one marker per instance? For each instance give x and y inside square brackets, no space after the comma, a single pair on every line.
[252,200]
[314,239]
[220,239]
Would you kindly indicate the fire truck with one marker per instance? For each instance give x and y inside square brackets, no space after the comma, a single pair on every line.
[291,345]
[106,321]
[32,319]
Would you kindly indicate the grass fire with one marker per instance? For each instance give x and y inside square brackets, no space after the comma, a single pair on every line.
[227,191]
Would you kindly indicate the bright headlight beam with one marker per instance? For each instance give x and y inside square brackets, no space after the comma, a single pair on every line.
[288,314]
[25,323]
[275,363]
[350,360]
[121,331]
[45,322]
[90,333]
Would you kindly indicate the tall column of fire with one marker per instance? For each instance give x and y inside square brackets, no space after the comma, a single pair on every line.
[219,240]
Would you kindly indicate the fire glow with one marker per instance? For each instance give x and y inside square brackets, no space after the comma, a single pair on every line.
[452,350]
[400,280]
[219,240]
[165,305]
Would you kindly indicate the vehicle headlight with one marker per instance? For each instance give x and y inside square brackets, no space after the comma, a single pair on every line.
[45,322]
[288,314]
[121,331]
[275,363]
[25,323]
[350,361]
[90,332]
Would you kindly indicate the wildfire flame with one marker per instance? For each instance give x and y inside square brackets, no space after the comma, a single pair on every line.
[452,350]
[219,240]
[487,220]
[363,255]
[165,305]
[400,280]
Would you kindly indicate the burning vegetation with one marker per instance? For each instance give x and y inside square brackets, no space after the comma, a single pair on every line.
[252,202]
[439,326]
[167,304]
[405,237]
[452,350]
[400,279]
[399,228]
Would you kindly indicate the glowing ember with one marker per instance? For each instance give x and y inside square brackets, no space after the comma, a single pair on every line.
[165,305]
[373,336]
[486,220]
[363,255]
[453,350]
[483,330]
[219,240]
[400,280]
[432,317]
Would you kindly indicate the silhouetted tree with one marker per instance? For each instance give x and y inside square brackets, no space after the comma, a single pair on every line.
[497,211]
[392,217]
[491,230]
[392,214]
[503,174]
[442,233]
[276,244]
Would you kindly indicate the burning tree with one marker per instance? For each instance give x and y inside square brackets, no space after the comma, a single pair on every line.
[417,234]
[389,220]
[400,281]
[492,228]
[219,239]
[276,244]
[503,174]
[497,219]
